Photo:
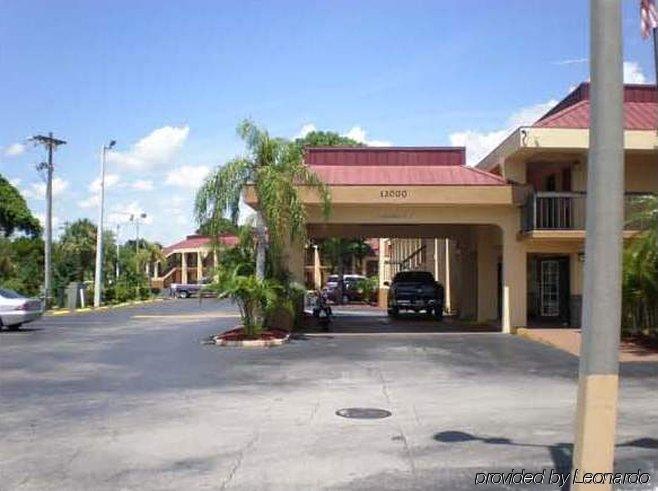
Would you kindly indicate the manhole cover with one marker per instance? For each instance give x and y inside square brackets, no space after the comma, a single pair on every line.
[363,413]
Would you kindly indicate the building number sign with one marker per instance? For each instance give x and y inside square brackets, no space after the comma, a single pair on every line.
[393,193]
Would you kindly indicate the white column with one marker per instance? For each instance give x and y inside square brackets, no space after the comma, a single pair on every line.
[447,301]
[183,265]
[199,266]
[317,271]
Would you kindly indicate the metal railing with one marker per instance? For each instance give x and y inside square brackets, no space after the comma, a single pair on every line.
[546,210]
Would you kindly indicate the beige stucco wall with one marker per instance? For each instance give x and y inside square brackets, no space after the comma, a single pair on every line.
[488,254]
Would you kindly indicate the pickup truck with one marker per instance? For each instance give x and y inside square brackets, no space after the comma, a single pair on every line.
[416,291]
[186,290]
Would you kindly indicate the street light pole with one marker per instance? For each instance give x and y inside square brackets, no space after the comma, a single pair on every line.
[596,414]
[116,266]
[135,219]
[98,273]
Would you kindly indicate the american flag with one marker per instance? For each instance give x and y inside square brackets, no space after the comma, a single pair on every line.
[648,17]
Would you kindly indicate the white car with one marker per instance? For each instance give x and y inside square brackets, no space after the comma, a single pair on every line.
[15,309]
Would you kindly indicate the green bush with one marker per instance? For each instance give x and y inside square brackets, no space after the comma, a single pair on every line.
[368,288]
[255,298]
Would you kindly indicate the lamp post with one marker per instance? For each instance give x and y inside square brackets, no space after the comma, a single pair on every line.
[116,265]
[98,274]
[135,219]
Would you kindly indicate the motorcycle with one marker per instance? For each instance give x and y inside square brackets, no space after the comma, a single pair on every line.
[322,310]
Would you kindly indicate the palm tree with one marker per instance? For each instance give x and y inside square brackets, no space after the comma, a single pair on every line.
[276,169]
[640,278]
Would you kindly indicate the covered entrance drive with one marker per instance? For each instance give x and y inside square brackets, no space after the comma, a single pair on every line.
[426,193]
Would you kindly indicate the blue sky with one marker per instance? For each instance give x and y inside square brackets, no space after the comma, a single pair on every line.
[170,81]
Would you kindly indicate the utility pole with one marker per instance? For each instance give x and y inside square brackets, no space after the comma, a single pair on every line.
[98,273]
[50,143]
[596,414]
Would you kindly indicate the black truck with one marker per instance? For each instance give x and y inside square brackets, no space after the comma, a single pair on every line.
[416,291]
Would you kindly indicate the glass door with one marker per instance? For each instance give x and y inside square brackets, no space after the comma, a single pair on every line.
[549,288]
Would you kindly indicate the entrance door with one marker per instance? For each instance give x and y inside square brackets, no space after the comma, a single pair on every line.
[553,288]
[549,288]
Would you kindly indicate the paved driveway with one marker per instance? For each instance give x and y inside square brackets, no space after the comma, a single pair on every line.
[131,399]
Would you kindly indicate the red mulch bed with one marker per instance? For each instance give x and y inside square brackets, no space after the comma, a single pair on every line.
[238,334]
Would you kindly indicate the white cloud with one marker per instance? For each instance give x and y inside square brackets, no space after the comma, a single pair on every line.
[91,202]
[571,61]
[187,176]
[37,190]
[142,185]
[479,144]
[633,73]
[156,148]
[15,149]
[111,180]
[358,134]
[16,182]
[305,130]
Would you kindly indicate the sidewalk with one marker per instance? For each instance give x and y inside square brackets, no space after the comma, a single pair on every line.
[569,340]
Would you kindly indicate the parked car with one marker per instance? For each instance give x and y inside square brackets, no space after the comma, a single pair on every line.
[186,290]
[416,291]
[15,309]
[352,291]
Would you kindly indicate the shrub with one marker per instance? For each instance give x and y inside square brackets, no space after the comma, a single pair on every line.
[255,298]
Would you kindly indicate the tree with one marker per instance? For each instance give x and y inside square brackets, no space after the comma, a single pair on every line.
[326,139]
[14,213]
[640,274]
[78,242]
[275,168]
[336,251]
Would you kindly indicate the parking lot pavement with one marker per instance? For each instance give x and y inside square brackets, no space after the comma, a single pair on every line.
[132,399]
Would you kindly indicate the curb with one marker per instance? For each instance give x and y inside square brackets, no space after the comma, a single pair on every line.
[250,343]
[85,310]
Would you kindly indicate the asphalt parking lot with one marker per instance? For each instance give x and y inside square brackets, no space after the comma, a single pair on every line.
[132,399]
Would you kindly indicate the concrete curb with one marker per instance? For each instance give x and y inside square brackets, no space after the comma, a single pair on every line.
[101,308]
[251,343]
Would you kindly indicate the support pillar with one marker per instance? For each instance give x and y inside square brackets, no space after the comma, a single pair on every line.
[183,264]
[317,271]
[199,266]
[384,275]
[447,285]
[514,282]
[487,271]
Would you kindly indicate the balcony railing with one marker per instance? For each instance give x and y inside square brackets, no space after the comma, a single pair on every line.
[545,210]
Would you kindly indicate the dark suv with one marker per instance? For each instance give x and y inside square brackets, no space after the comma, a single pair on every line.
[415,290]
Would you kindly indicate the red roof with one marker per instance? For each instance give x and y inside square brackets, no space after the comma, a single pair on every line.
[397,166]
[640,109]
[198,241]
[378,156]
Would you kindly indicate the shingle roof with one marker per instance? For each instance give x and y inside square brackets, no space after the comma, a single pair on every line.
[640,109]
[199,241]
[390,166]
